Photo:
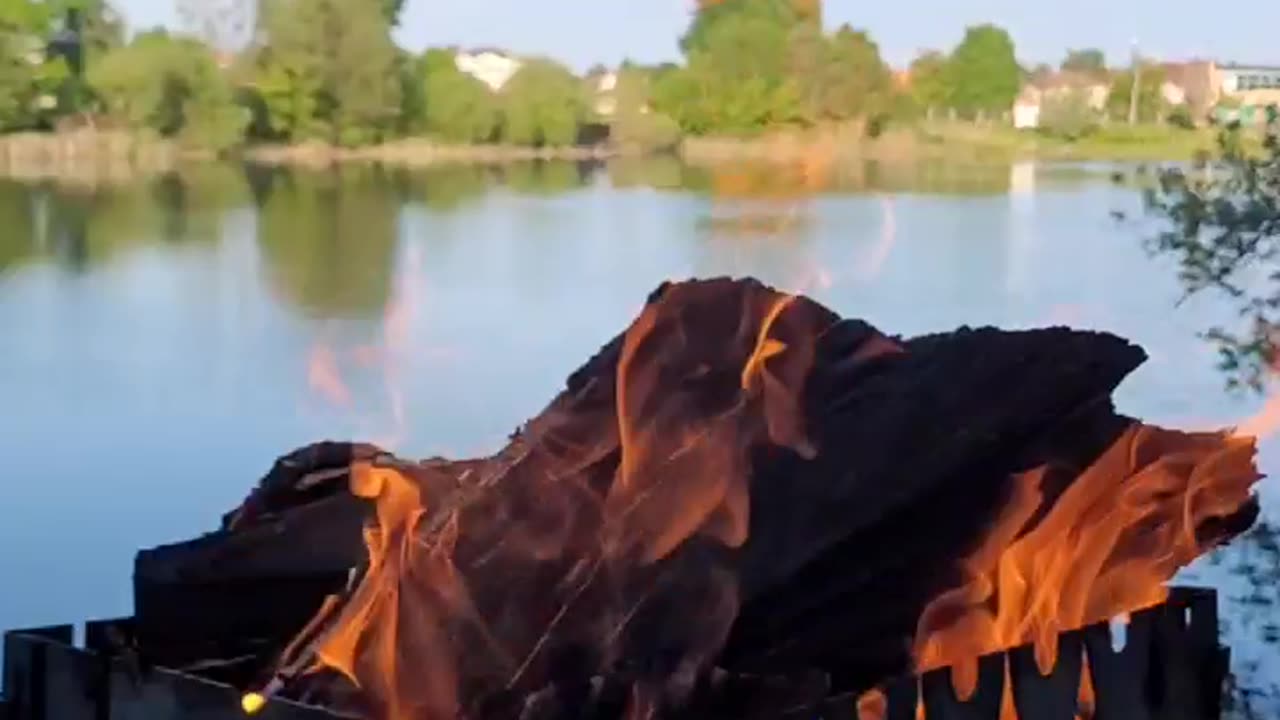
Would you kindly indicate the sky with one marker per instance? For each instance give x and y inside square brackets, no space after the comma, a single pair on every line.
[583,32]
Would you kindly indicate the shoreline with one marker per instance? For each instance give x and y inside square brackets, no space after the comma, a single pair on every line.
[415,153]
[93,156]
[956,142]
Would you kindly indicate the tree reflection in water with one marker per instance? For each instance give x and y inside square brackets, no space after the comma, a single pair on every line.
[1220,222]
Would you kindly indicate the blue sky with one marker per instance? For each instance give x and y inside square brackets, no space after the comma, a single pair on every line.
[581,32]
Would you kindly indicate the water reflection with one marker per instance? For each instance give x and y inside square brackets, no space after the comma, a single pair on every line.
[329,239]
[81,227]
[441,306]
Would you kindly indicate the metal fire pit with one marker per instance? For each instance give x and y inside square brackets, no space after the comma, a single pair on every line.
[1170,668]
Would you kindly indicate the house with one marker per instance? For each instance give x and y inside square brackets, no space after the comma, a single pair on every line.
[1046,87]
[1026,109]
[1250,90]
[488,65]
[1193,83]
[604,90]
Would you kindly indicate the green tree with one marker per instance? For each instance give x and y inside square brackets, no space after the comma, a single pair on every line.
[858,83]
[1150,97]
[737,79]
[328,70]
[783,14]
[634,125]
[391,11]
[172,86]
[983,71]
[543,104]
[929,84]
[456,106]
[1087,60]
[37,87]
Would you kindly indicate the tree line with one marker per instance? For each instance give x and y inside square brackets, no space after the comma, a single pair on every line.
[329,71]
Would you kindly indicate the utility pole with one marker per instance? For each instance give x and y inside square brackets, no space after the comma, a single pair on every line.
[1136,87]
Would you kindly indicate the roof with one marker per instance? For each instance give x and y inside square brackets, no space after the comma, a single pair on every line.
[1242,66]
[1067,79]
[486,51]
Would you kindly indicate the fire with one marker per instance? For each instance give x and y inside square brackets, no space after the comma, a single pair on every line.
[564,537]
[1102,548]
[623,503]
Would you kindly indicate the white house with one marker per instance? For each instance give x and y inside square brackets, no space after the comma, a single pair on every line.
[606,102]
[491,67]
[1026,109]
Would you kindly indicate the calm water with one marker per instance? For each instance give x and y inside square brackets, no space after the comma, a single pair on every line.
[163,342]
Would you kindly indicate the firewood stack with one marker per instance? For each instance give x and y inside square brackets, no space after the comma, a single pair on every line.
[742,504]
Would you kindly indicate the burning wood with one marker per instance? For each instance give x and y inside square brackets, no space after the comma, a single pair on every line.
[741,503]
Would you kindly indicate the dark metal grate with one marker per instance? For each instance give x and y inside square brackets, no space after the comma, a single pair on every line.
[1170,668]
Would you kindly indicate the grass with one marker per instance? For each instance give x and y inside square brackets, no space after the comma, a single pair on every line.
[1111,143]
[958,141]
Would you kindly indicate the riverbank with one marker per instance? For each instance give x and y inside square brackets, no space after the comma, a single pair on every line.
[93,157]
[416,153]
[88,156]
[960,142]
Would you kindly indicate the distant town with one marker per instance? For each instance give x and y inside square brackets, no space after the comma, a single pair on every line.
[1209,91]
[324,79]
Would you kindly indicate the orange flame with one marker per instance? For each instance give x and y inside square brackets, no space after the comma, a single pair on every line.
[1100,549]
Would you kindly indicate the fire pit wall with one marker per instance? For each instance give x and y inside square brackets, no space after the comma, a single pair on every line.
[1170,667]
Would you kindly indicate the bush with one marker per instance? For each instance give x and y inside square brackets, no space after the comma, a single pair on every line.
[1068,115]
[1180,117]
[544,104]
[172,86]
[456,106]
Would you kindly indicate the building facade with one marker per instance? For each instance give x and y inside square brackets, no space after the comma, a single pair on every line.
[491,67]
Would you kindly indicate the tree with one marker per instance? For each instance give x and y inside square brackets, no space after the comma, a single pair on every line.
[543,105]
[391,11]
[1086,60]
[172,86]
[456,106]
[858,80]
[1150,96]
[929,85]
[329,70]
[783,14]
[983,71]
[634,125]
[37,87]
[736,79]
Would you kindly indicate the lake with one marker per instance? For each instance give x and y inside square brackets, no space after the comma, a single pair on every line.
[164,341]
